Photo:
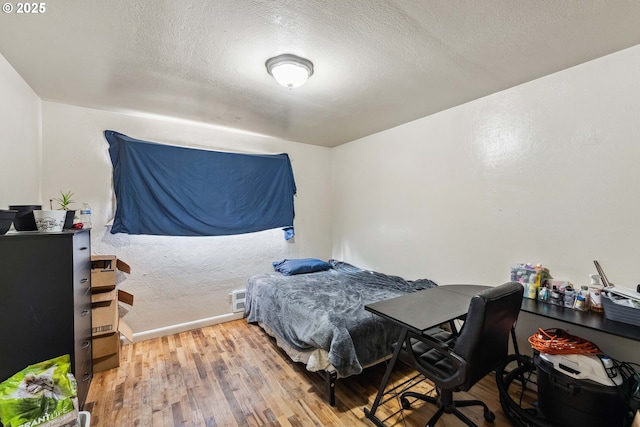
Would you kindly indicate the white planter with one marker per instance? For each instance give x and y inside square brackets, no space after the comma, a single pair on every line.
[49,221]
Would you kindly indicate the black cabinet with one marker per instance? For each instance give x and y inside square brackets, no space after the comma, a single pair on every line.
[45,302]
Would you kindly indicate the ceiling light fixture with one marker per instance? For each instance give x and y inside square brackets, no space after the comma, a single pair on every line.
[289,70]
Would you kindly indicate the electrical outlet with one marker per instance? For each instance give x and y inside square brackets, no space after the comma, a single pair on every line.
[237,300]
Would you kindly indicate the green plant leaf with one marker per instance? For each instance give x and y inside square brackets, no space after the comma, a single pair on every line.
[65,200]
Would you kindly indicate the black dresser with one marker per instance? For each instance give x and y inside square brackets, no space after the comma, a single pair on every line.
[45,302]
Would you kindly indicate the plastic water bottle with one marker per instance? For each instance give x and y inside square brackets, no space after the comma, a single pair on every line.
[85,215]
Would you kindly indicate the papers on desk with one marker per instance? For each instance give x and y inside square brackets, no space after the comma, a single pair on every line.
[624,292]
[627,297]
[621,304]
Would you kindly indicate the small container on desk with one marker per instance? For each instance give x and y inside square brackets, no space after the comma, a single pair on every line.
[556,297]
[543,294]
[569,297]
[530,290]
[620,309]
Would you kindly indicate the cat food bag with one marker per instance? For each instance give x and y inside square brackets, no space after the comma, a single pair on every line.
[43,395]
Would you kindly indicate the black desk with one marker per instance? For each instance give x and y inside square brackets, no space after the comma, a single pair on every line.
[587,319]
[417,312]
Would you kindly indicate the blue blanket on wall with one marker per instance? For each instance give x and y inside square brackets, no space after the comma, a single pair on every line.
[176,191]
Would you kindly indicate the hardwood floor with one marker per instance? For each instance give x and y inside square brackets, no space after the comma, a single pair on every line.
[233,374]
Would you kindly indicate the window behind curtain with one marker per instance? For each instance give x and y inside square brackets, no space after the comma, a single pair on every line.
[176,191]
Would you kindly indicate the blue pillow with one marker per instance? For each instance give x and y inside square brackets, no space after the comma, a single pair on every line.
[290,267]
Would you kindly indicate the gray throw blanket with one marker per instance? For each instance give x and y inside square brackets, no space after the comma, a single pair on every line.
[326,310]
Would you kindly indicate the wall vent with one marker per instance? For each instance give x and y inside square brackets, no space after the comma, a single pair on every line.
[237,300]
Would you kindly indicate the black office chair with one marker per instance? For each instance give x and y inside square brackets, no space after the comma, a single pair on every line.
[456,363]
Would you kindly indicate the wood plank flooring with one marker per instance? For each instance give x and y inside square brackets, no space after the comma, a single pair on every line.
[233,375]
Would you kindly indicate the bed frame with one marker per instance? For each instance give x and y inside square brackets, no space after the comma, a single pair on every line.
[318,319]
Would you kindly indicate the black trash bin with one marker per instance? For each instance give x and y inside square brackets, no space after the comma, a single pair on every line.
[573,393]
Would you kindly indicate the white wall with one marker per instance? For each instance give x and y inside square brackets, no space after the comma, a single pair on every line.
[180,282]
[546,172]
[20,139]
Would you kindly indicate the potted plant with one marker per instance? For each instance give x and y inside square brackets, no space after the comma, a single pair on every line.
[64,202]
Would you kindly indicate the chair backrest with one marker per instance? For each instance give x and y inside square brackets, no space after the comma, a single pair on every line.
[484,338]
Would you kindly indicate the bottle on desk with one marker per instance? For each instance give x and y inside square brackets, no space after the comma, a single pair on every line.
[569,297]
[582,299]
[85,215]
[595,294]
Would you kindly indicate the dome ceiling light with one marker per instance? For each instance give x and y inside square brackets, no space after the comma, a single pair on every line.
[289,70]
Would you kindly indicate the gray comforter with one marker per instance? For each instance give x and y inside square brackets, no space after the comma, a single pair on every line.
[326,310]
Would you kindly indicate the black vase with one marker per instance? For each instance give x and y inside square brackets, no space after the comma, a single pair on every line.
[24,220]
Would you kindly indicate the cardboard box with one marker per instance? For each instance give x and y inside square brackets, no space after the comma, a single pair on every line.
[106,345]
[106,352]
[123,328]
[104,311]
[107,327]
[103,271]
[107,324]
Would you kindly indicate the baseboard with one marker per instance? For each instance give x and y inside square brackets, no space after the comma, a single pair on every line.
[187,326]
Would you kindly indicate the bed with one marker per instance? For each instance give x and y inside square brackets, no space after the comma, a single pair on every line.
[319,319]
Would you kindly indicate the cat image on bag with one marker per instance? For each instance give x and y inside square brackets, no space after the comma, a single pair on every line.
[40,384]
[35,383]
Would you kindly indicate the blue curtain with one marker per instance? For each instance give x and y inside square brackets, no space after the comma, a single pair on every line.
[175,191]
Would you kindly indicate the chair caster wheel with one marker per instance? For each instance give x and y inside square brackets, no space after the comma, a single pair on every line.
[405,403]
[489,416]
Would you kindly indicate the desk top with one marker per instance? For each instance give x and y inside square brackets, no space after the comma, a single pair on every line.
[587,319]
[419,311]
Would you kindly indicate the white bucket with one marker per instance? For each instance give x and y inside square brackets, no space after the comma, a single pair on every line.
[49,221]
[84,419]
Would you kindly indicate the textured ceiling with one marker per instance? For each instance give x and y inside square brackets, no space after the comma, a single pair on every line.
[378,64]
